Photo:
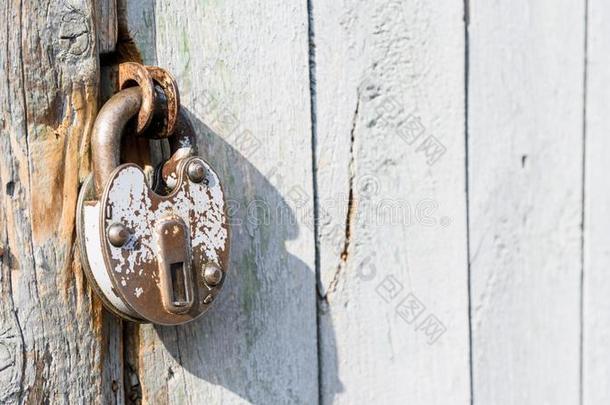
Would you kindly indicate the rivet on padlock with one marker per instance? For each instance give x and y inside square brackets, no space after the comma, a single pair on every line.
[152,256]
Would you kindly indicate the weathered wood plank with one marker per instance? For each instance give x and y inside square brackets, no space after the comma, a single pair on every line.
[243,76]
[525,182]
[392,203]
[106,23]
[596,286]
[51,326]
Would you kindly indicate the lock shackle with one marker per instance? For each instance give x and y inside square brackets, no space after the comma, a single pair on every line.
[110,125]
[107,133]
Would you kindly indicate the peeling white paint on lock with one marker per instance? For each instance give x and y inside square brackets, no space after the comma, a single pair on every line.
[172,180]
[206,203]
[129,277]
[130,202]
[95,258]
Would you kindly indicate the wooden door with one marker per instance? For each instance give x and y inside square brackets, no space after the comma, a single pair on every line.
[416,193]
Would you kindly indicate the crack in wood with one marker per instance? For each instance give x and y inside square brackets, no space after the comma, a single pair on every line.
[351,204]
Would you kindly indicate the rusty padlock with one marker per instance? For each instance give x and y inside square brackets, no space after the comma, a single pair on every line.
[152,256]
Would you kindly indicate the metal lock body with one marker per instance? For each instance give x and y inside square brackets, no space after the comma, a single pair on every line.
[152,256]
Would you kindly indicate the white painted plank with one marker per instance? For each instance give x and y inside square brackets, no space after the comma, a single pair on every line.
[525,145]
[596,286]
[242,70]
[390,83]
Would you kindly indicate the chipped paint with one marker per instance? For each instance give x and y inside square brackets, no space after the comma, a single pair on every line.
[96,260]
[135,266]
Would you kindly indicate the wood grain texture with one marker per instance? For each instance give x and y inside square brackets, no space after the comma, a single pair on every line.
[596,280]
[395,178]
[51,326]
[242,69]
[392,206]
[106,24]
[525,186]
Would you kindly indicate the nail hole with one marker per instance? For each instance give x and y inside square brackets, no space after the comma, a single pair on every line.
[10,188]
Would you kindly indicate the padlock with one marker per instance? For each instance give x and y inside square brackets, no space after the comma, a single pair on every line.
[151,256]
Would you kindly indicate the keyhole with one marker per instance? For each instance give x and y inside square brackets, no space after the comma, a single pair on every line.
[179,292]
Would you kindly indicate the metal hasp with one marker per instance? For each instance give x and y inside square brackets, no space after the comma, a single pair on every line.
[153,254]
